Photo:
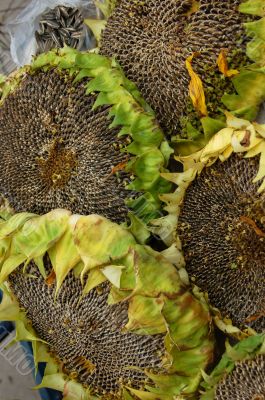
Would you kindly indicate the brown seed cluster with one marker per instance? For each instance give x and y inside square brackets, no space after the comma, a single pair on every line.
[246,382]
[152,40]
[222,229]
[59,153]
[86,335]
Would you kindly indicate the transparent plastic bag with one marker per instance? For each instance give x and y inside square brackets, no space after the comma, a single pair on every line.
[22,29]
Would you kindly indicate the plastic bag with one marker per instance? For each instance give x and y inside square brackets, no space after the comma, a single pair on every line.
[22,29]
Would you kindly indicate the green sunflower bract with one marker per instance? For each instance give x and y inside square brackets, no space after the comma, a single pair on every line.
[99,251]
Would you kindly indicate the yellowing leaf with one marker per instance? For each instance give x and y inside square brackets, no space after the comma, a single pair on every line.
[223,65]
[196,90]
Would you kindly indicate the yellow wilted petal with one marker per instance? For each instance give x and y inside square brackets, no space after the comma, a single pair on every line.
[234,122]
[260,129]
[244,140]
[217,145]
[226,154]
[223,65]
[180,178]
[254,151]
[196,90]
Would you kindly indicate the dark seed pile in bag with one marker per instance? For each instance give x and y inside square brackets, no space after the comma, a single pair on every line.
[61,26]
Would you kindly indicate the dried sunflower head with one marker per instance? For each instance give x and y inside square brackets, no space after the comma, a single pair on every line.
[76,134]
[187,57]
[240,375]
[111,317]
[220,207]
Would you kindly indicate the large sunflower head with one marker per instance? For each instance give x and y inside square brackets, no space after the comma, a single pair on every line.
[110,316]
[220,207]
[240,375]
[188,58]
[76,134]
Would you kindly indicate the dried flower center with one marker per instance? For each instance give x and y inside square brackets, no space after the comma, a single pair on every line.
[222,230]
[59,165]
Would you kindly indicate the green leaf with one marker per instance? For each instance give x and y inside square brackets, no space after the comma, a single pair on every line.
[256,28]
[107,81]
[211,126]
[253,7]
[250,86]
[92,61]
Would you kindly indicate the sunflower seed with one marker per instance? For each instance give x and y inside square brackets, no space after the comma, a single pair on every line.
[64,32]
[72,11]
[63,11]
[71,29]
[42,29]
[77,34]
[57,14]
[57,40]
[70,20]
[48,17]
[79,22]
[48,45]
[53,24]
[62,25]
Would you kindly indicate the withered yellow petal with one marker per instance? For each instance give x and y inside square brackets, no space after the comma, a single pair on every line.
[196,90]
[223,65]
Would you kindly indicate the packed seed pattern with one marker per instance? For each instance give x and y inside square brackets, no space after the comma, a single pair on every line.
[246,382]
[152,40]
[222,229]
[86,334]
[57,152]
